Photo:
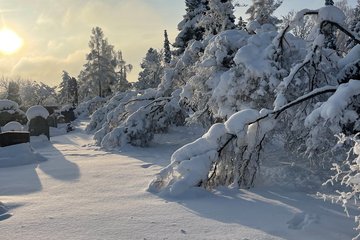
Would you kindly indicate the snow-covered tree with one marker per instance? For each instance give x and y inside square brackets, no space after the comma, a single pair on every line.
[98,75]
[73,91]
[218,17]
[189,27]
[241,25]
[167,51]
[13,92]
[63,87]
[354,25]
[262,11]
[315,90]
[33,93]
[329,31]
[152,70]
[302,30]
[122,70]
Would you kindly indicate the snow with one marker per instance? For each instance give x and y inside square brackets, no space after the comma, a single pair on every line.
[239,120]
[6,104]
[37,111]
[17,155]
[82,192]
[12,126]
[334,107]
[351,57]
[331,13]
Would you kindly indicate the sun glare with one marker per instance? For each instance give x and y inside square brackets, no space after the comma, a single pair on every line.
[10,42]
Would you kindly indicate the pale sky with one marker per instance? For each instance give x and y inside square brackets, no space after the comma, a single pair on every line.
[56,33]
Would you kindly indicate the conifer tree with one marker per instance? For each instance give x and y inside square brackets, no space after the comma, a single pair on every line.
[167,51]
[73,91]
[122,70]
[63,87]
[218,17]
[241,25]
[188,27]
[150,76]
[98,75]
[262,11]
[13,92]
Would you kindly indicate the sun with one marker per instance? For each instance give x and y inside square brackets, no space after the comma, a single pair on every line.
[10,42]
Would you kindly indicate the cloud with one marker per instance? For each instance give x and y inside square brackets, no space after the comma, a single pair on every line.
[54,31]
[48,69]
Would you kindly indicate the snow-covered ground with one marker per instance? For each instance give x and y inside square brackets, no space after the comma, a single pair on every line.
[82,192]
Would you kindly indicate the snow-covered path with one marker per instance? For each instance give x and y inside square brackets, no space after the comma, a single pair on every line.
[82,192]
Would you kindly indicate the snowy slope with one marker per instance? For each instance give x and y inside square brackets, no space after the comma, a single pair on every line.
[82,192]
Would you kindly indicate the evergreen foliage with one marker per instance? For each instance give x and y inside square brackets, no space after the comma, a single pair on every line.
[13,92]
[167,51]
[262,11]
[105,69]
[152,70]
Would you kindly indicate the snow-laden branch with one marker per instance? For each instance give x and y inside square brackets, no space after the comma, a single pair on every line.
[191,165]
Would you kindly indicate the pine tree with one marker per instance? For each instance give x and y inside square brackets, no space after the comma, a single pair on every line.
[262,11]
[167,51]
[150,76]
[329,2]
[218,17]
[188,27]
[241,25]
[121,70]
[63,88]
[99,75]
[13,92]
[73,91]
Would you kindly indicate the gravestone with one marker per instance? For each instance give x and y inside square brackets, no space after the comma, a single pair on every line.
[52,120]
[39,126]
[12,138]
[69,115]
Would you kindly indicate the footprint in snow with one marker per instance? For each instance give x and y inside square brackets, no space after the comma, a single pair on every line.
[146,165]
[183,231]
[301,220]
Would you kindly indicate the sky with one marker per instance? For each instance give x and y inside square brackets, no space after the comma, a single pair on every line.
[56,33]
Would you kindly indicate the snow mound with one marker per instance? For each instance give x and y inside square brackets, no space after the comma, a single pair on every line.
[6,104]
[4,212]
[19,154]
[37,111]
[332,14]
[12,126]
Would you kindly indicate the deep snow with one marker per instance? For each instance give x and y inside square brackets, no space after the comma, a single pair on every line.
[82,192]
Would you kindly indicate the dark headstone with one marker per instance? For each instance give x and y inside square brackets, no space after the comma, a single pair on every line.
[52,120]
[12,138]
[69,115]
[39,126]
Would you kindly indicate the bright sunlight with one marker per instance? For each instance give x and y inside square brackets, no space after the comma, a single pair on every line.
[10,42]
